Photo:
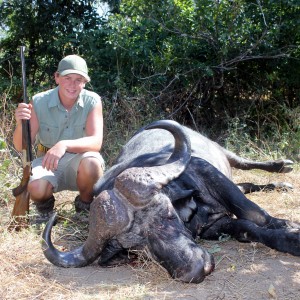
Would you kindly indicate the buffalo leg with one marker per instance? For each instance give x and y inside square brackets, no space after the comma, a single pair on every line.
[213,184]
[285,240]
[248,187]
[275,166]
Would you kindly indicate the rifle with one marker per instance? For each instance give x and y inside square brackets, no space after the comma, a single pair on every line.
[21,206]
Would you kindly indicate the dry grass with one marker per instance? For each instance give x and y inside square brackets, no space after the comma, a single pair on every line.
[244,271]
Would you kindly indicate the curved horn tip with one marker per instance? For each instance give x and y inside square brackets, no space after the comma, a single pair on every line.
[53,219]
[52,222]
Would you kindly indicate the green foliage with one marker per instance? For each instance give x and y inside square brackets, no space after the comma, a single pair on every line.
[4,171]
[5,175]
[8,165]
[125,116]
[49,30]
[193,49]
[275,134]
[2,144]
[203,63]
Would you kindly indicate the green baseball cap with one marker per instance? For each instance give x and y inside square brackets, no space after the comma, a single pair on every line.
[73,64]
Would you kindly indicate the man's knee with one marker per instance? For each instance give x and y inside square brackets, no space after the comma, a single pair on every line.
[90,168]
[40,189]
[89,171]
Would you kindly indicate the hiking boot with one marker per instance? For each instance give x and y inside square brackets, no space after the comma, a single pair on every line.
[82,210]
[81,206]
[44,210]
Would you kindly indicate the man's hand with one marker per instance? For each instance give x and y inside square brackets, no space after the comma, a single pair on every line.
[53,155]
[23,112]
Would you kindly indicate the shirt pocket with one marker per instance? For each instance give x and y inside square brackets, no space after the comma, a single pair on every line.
[48,134]
[79,131]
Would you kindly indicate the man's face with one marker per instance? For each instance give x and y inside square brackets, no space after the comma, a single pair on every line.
[70,86]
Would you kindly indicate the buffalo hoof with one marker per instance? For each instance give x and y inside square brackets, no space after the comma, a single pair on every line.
[285,165]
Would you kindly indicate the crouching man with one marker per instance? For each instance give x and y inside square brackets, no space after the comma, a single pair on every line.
[67,127]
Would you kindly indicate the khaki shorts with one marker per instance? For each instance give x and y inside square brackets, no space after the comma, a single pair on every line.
[64,178]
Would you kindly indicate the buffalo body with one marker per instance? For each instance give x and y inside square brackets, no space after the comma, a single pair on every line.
[168,186]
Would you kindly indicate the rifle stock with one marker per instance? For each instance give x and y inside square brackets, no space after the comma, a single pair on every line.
[21,207]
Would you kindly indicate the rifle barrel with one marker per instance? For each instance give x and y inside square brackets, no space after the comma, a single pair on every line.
[26,141]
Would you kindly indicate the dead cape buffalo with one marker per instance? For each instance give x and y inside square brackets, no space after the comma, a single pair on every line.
[161,194]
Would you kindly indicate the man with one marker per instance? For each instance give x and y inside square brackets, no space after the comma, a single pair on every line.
[67,126]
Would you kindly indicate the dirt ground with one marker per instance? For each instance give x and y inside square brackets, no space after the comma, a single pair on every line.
[243,271]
